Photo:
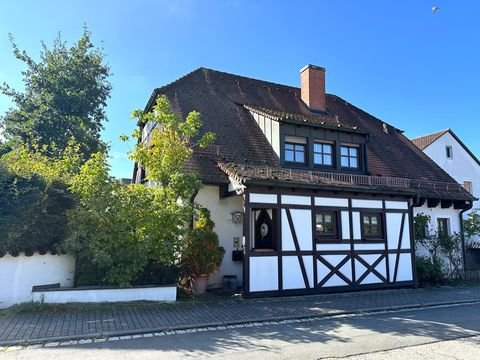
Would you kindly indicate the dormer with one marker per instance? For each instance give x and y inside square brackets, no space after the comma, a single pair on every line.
[313,139]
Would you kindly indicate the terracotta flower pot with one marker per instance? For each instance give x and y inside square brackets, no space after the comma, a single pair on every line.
[199,284]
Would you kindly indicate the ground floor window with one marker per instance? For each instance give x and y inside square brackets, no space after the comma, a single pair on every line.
[326,225]
[442,227]
[372,225]
[264,229]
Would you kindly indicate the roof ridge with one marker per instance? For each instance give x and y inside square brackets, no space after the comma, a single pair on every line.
[434,133]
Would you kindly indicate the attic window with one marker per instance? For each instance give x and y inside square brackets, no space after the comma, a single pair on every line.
[323,154]
[448,152]
[295,149]
[349,156]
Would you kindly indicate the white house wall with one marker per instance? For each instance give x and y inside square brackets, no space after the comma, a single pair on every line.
[302,264]
[221,213]
[461,166]
[435,213]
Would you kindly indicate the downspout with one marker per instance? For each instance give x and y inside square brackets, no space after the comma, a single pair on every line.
[462,236]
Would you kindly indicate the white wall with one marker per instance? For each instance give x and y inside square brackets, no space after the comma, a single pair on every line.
[19,274]
[221,210]
[157,293]
[435,213]
[461,166]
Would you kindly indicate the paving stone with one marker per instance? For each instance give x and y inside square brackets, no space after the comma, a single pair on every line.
[255,312]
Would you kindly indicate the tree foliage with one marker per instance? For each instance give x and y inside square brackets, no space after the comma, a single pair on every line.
[34,198]
[472,224]
[64,98]
[121,229]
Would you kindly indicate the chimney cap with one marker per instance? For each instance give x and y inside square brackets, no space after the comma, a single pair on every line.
[310,66]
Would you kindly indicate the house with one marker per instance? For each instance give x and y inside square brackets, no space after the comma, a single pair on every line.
[309,193]
[453,156]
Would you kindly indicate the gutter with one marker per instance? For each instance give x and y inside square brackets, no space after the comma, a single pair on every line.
[462,236]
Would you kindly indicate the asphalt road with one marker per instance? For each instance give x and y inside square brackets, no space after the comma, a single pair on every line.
[422,334]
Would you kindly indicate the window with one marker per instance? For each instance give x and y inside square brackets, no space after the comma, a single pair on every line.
[295,149]
[467,185]
[372,225]
[349,156]
[323,154]
[448,151]
[326,225]
[264,229]
[442,227]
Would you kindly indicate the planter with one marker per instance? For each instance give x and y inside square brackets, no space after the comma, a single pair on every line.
[96,295]
[199,284]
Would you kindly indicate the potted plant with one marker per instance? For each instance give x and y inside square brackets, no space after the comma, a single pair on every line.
[201,254]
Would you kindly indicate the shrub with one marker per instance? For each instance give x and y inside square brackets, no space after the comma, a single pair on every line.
[201,254]
[429,273]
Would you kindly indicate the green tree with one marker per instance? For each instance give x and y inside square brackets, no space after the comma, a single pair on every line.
[34,198]
[472,224]
[64,98]
[120,229]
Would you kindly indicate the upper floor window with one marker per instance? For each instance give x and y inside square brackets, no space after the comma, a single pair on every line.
[323,154]
[295,149]
[349,156]
[448,152]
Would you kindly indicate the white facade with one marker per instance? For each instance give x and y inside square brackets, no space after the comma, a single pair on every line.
[453,221]
[460,166]
[228,232]
[20,273]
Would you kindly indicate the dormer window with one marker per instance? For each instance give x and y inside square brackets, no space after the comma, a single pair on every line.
[323,154]
[295,149]
[349,156]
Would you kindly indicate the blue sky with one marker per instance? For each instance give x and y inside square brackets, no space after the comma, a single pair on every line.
[397,60]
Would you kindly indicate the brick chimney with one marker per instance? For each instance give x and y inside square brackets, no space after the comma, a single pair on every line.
[313,87]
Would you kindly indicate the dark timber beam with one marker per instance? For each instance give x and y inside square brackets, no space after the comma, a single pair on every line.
[446,204]
[432,203]
[459,204]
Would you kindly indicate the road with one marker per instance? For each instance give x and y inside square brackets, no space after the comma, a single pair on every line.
[433,333]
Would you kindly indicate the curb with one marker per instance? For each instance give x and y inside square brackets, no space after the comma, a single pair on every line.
[212,326]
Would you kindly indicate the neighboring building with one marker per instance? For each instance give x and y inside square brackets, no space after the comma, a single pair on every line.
[320,193]
[453,156]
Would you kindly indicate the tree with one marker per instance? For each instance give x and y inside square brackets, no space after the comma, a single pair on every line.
[120,229]
[472,224]
[34,198]
[64,98]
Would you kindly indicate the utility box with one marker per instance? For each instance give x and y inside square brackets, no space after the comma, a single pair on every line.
[230,282]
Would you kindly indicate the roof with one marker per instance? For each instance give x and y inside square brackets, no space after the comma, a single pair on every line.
[225,100]
[426,140]
[423,142]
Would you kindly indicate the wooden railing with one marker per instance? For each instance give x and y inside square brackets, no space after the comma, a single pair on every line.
[266,172]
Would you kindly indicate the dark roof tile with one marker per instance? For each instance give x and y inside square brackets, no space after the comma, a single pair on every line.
[224,101]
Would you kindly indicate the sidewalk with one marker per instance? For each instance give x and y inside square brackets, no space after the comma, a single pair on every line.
[128,319]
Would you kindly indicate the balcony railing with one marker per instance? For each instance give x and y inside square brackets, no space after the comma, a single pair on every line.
[266,172]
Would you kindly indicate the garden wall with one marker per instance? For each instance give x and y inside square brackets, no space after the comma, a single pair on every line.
[18,274]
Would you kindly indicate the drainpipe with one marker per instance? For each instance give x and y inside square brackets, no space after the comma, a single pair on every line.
[462,236]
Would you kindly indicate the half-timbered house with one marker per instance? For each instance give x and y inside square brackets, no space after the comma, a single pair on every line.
[308,192]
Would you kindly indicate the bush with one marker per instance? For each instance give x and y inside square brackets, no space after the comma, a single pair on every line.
[429,273]
[202,254]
